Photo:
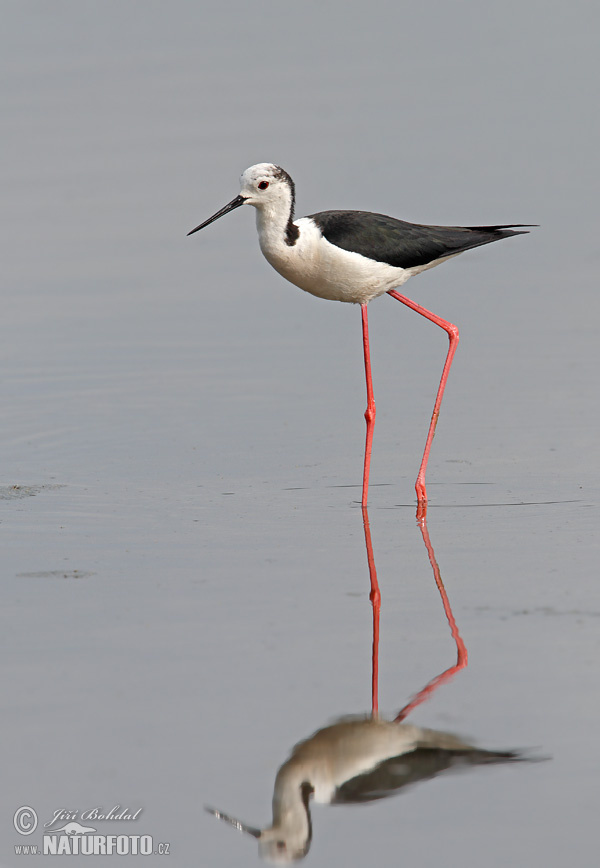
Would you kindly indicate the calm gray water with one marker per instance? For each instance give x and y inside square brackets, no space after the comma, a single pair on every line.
[185,591]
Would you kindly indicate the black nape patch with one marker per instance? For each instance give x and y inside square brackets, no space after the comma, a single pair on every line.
[291,230]
[291,233]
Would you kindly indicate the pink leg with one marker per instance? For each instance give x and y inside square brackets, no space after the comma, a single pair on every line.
[375,598]
[452,332]
[461,650]
[370,411]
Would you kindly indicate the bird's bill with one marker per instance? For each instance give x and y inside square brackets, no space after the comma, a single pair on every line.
[241,827]
[235,203]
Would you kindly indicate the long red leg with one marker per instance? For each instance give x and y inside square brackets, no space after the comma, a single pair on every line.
[461,650]
[452,333]
[370,411]
[375,598]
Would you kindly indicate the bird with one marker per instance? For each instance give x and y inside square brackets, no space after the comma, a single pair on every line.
[354,760]
[354,257]
[72,829]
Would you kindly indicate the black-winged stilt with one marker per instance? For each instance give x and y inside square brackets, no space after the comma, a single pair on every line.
[354,256]
[355,760]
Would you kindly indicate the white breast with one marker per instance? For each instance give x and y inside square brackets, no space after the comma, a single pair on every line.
[325,270]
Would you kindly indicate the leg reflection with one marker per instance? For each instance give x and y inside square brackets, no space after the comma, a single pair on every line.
[375,597]
[461,649]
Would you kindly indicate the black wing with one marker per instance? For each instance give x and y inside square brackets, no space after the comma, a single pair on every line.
[419,765]
[401,244]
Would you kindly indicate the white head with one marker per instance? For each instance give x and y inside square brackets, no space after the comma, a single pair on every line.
[266,186]
[285,841]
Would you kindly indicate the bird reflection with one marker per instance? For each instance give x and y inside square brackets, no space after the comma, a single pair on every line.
[354,760]
[364,758]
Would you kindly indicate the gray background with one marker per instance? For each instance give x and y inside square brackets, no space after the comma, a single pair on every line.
[184,581]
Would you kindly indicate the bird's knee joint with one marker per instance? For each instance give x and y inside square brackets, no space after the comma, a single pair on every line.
[452,333]
[370,414]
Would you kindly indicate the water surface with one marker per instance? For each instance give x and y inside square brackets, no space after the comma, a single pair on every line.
[185,581]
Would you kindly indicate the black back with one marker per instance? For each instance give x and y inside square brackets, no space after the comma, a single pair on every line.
[401,244]
[419,765]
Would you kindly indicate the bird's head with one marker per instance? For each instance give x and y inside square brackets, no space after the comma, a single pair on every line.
[266,186]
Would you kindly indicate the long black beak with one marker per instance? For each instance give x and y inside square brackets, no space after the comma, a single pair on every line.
[235,203]
[241,827]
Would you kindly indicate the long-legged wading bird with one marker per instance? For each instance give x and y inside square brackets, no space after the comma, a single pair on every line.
[355,761]
[354,256]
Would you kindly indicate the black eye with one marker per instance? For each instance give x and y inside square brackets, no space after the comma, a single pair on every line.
[263,185]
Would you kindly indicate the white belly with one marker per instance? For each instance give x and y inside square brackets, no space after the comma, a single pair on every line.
[327,271]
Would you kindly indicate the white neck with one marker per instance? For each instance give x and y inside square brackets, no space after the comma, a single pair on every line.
[272,220]
[291,818]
